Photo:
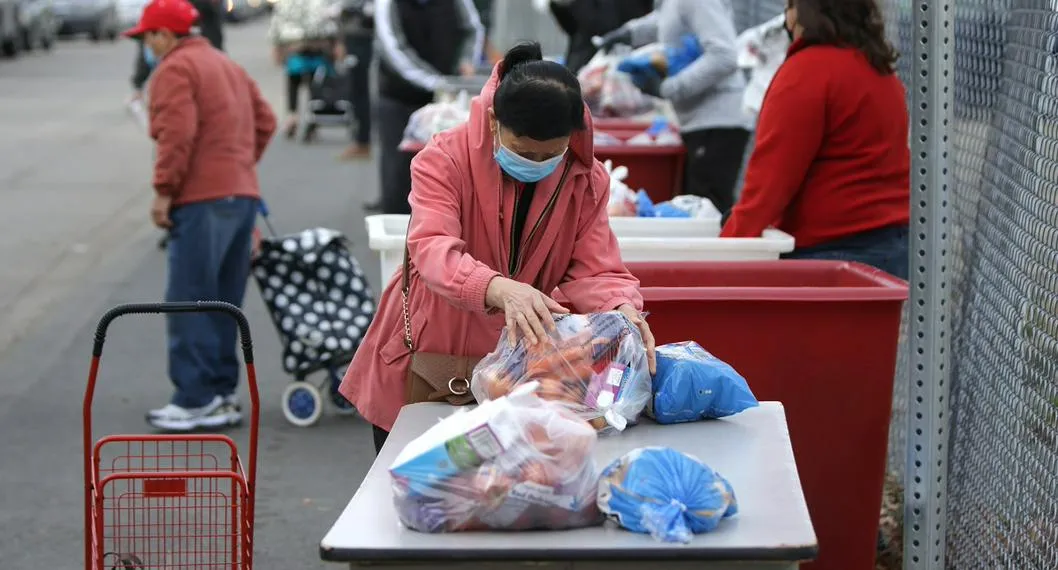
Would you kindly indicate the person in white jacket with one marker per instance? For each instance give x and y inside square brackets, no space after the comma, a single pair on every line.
[706,95]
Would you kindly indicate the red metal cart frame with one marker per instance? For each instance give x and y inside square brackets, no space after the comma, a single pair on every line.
[169,501]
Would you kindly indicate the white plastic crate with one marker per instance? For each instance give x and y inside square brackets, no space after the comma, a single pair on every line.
[386,236]
[706,225]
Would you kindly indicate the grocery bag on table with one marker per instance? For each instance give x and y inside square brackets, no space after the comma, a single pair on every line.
[665,493]
[514,463]
[691,384]
[595,364]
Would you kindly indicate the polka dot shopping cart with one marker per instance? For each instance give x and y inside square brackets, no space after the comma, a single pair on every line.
[169,501]
[321,304]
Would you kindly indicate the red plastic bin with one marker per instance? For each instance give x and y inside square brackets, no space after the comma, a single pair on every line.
[820,337]
[658,169]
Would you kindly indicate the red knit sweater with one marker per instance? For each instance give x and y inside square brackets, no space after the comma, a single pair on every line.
[832,157]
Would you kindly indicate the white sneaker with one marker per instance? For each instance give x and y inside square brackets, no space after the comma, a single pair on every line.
[233,409]
[175,418]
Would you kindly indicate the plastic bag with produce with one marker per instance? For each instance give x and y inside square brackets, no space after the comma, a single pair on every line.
[692,385]
[514,463]
[609,92]
[622,198]
[666,494]
[595,364]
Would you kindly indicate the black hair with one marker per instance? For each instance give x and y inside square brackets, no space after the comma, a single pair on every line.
[537,98]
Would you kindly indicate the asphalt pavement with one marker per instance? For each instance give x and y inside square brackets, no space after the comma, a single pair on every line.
[74,196]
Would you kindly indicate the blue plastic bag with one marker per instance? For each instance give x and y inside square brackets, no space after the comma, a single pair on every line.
[666,494]
[692,385]
[677,57]
[644,205]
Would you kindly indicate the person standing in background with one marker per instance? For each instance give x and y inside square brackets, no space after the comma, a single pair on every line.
[211,126]
[706,95]
[584,19]
[358,33]
[304,35]
[420,43]
[832,165]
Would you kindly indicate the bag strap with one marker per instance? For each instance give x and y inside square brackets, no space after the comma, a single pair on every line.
[405,276]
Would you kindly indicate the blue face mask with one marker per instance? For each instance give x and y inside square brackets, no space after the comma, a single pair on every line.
[148,57]
[522,169]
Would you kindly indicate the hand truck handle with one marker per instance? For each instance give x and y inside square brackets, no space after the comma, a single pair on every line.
[182,307]
[168,308]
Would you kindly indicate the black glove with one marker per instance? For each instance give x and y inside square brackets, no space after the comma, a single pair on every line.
[649,83]
[618,36]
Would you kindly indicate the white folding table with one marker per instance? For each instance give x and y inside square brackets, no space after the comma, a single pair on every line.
[752,450]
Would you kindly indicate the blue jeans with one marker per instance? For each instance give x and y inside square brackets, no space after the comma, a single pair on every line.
[209,260]
[885,249]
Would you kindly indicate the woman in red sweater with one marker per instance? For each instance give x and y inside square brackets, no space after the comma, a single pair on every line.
[832,165]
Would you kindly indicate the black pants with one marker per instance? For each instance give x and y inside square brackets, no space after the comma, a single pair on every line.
[359,86]
[380,438]
[394,165]
[714,159]
[294,82]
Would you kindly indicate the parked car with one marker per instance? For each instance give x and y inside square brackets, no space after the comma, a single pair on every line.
[97,18]
[242,10]
[10,37]
[129,12]
[40,24]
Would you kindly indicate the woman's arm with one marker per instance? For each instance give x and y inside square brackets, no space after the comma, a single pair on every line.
[597,279]
[435,240]
[789,134]
[715,31]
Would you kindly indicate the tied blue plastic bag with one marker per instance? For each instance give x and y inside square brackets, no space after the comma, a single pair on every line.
[640,65]
[664,493]
[692,385]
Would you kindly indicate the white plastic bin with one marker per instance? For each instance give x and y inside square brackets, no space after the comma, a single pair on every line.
[386,233]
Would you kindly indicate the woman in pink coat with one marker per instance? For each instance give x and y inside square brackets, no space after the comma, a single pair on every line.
[505,209]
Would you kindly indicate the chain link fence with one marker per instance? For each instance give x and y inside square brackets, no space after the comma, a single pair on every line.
[1003,472]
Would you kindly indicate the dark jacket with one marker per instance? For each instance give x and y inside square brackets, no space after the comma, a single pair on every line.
[358,18]
[210,23]
[582,19]
[422,41]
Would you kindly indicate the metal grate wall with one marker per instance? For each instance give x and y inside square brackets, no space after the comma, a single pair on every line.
[989,146]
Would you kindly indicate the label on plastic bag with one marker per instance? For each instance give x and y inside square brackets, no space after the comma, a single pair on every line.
[543,495]
[476,447]
[605,386]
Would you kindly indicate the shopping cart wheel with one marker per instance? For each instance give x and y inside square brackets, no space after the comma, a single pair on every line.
[302,403]
[341,405]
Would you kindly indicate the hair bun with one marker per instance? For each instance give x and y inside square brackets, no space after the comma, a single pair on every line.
[524,52]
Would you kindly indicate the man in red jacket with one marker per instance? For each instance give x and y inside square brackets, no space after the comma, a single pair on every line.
[211,126]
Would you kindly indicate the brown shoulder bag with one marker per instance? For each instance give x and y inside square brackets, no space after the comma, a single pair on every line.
[433,377]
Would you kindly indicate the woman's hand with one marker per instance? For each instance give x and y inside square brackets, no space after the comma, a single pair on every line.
[644,330]
[526,309]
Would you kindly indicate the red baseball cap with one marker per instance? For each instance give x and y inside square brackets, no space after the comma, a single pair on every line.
[177,16]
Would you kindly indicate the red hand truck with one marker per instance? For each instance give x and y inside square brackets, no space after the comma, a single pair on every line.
[169,502]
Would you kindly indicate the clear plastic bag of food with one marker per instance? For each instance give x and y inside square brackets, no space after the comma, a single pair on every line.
[595,364]
[665,493]
[514,463]
[691,384]
[609,92]
[435,118]
[622,201]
